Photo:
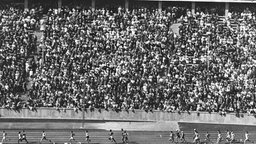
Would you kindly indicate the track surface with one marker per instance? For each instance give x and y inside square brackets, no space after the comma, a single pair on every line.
[135,137]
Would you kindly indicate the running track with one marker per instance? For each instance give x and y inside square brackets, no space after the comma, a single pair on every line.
[135,137]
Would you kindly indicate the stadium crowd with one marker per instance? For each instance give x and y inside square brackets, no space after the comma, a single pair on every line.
[132,59]
[16,44]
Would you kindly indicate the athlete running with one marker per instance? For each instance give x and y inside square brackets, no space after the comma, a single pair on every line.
[246,137]
[207,138]
[4,139]
[125,137]
[44,137]
[228,136]
[219,137]
[171,139]
[232,137]
[87,137]
[72,134]
[111,138]
[22,136]
[177,136]
[196,137]
[182,137]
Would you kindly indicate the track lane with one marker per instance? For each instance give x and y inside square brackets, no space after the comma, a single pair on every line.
[101,137]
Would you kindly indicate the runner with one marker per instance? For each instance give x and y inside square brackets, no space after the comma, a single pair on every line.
[232,138]
[246,137]
[228,136]
[44,137]
[4,139]
[171,139]
[72,134]
[125,135]
[87,137]
[207,138]
[219,137]
[177,136]
[196,137]
[182,137]
[22,136]
[111,138]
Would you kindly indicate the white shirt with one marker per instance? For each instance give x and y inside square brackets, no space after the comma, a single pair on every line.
[246,136]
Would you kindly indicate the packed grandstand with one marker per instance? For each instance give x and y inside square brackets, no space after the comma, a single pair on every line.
[117,59]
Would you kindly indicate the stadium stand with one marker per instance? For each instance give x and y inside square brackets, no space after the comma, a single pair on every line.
[124,59]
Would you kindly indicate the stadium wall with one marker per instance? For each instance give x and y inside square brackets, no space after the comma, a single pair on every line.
[138,120]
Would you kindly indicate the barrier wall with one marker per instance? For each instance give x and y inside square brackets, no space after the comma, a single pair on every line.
[156,120]
[138,115]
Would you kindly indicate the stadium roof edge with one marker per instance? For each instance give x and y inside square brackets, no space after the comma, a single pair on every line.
[219,1]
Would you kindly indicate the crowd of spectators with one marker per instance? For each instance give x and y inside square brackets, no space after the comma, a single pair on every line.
[102,59]
[221,54]
[16,43]
[130,59]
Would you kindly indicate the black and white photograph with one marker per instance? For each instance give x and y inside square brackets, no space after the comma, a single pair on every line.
[127,71]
